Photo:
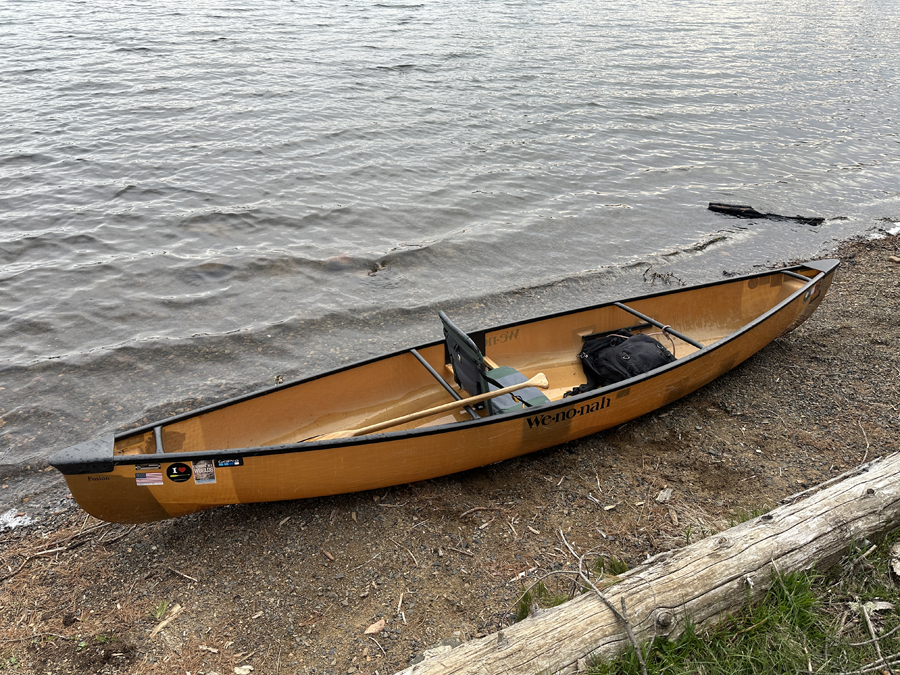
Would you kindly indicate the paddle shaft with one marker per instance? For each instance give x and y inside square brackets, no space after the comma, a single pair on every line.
[539,381]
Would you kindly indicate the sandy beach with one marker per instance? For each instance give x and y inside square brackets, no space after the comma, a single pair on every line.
[292,587]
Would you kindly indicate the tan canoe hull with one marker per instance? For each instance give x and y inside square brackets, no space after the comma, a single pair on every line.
[252,450]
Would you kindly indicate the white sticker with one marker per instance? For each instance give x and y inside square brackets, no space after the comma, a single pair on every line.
[148,478]
[204,471]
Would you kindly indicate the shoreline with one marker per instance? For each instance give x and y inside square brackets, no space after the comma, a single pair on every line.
[292,586]
[58,401]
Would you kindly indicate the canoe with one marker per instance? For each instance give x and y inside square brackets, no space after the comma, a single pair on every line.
[404,417]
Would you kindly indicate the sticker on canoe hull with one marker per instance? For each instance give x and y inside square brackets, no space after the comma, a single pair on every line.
[812,293]
[234,461]
[204,471]
[178,472]
[148,477]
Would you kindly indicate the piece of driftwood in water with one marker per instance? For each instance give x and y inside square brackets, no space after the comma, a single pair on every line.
[740,211]
[702,582]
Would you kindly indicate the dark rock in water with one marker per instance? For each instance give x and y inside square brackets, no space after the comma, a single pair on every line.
[741,211]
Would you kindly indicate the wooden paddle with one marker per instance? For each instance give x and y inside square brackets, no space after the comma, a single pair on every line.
[539,381]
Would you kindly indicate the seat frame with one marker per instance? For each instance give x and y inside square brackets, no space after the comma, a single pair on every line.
[477,375]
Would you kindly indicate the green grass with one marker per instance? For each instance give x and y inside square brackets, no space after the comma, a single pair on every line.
[159,610]
[807,623]
[541,596]
[743,515]
[9,661]
[611,566]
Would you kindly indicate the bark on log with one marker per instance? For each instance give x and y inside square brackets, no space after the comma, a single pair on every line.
[703,582]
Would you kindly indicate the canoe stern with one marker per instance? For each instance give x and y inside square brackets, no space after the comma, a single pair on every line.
[102,488]
[94,456]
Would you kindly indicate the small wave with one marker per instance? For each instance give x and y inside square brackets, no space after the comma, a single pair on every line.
[28,71]
[143,194]
[703,245]
[23,328]
[13,519]
[42,246]
[889,227]
[217,221]
[206,272]
[26,159]
[400,68]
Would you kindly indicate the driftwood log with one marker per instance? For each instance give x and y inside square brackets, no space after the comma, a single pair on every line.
[703,582]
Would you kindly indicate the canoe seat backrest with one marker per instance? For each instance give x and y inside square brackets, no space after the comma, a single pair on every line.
[472,373]
[467,360]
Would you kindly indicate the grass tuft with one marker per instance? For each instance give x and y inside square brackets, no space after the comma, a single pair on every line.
[611,566]
[542,597]
[159,610]
[744,515]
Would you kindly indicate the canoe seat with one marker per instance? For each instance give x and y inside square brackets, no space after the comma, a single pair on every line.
[476,376]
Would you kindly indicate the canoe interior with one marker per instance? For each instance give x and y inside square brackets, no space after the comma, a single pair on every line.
[398,384]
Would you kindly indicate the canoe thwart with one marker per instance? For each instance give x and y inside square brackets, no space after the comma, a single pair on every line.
[474,415]
[666,329]
[795,275]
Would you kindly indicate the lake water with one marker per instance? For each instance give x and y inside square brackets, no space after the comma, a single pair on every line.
[199,197]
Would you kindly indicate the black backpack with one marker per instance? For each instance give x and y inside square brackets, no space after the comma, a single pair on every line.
[611,358]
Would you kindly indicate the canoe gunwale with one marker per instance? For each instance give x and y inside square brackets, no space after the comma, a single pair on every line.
[96,456]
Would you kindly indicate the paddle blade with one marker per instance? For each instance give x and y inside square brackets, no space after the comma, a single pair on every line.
[539,381]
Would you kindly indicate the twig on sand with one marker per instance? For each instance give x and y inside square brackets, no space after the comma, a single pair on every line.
[89,530]
[35,636]
[408,551]
[459,550]
[478,508]
[182,574]
[366,563]
[68,545]
[865,436]
[176,610]
[121,536]
[379,645]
